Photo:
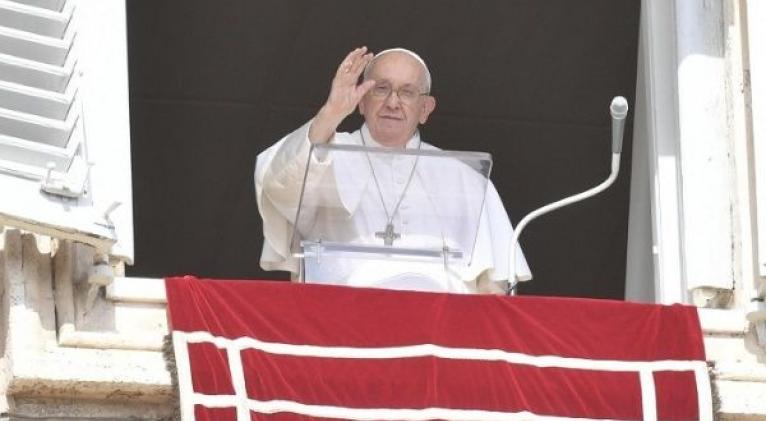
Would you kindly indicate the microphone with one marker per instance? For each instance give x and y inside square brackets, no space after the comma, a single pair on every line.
[619,110]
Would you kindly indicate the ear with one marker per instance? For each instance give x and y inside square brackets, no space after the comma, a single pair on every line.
[429,104]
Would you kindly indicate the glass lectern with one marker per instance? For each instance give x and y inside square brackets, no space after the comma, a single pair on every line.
[389,218]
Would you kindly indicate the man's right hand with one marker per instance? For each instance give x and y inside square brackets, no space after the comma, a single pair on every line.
[344,96]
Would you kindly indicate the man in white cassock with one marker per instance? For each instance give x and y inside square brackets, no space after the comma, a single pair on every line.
[381,192]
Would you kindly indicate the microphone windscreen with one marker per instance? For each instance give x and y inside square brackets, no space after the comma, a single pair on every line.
[619,107]
[619,110]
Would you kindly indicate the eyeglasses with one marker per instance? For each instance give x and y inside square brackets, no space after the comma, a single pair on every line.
[406,93]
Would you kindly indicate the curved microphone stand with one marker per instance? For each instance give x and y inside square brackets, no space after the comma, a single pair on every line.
[619,110]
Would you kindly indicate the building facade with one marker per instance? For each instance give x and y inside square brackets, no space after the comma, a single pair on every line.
[79,339]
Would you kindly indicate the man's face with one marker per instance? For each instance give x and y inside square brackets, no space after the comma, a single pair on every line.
[393,119]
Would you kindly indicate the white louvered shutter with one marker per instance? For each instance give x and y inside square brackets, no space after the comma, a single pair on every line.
[64,122]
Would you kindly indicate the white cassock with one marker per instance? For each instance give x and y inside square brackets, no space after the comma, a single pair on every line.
[353,213]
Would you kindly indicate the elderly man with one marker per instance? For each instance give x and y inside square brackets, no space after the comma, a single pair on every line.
[394,98]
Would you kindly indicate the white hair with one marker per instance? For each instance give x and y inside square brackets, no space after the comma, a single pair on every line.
[412,54]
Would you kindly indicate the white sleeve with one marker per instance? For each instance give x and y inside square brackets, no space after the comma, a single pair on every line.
[495,232]
[279,172]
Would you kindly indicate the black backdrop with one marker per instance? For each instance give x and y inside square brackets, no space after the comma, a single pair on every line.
[214,82]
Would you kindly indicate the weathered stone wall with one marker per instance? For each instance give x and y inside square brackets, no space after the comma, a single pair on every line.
[71,349]
[739,364]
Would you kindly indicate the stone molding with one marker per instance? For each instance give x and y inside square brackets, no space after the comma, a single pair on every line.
[66,342]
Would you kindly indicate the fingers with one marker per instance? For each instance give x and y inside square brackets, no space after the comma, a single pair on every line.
[358,67]
[351,58]
[363,89]
[354,63]
[345,94]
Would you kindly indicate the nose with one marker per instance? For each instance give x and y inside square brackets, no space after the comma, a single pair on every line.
[392,100]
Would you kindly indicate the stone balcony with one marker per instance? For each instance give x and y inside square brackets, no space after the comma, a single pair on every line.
[76,349]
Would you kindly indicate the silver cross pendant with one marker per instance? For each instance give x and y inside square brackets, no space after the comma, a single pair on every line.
[388,235]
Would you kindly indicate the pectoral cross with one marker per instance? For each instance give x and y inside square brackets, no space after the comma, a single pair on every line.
[388,235]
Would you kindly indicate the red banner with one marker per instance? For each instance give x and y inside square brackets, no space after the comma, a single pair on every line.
[252,350]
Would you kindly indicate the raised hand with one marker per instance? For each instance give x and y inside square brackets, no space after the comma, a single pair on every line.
[344,96]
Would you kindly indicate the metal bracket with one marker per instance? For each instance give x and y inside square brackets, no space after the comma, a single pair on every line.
[65,186]
[108,223]
[757,316]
